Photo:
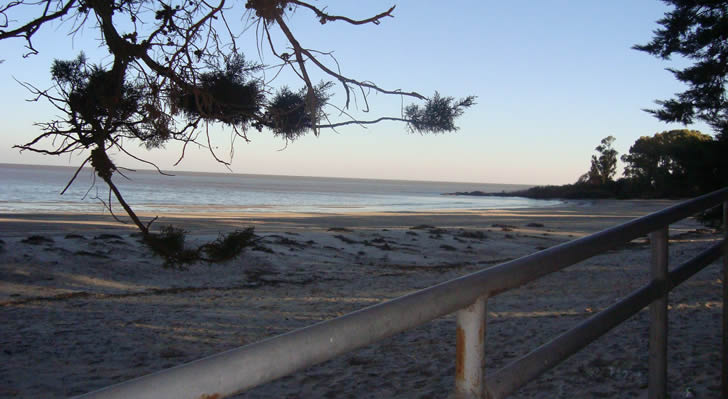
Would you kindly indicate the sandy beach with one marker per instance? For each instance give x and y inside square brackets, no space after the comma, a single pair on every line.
[85,305]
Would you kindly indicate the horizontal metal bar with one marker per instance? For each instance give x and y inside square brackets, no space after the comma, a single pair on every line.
[246,367]
[688,269]
[513,376]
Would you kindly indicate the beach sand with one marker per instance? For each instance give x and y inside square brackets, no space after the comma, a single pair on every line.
[85,305]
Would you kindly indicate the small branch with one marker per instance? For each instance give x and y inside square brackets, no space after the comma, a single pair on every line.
[119,146]
[324,17]
[108,207]
[75,175]
[209,147]
[310,93]
[28,30]
[299,51]
[152,221]
[356,122]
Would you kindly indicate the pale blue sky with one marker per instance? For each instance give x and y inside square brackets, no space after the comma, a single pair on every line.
[552,79]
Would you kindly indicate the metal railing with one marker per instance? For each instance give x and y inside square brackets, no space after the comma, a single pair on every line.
[243,368]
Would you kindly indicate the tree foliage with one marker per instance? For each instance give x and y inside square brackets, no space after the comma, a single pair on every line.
[674,163]
[289,116]
[603,167]
[228,93]
[175,68]
[437,115]
[696,30]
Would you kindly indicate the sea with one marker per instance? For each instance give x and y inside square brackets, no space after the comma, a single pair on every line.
[34,189]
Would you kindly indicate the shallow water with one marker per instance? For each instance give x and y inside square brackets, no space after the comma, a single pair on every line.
[30,188]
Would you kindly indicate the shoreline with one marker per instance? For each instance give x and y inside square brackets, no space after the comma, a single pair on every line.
[627,209]
[232,210]
[37,188]
[86,305]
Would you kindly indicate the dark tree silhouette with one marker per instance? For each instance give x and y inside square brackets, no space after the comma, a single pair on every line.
[696,30]
[675,163]
[604,167]
[176,69]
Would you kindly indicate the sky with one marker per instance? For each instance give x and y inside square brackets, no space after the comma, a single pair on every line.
[551,79]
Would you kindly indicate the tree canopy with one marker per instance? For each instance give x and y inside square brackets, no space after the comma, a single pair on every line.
[674,163]
[175,68]
[698,31]
[671,164]
[604,167]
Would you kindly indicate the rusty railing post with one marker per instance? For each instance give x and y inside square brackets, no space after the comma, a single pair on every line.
[724,357]
[657,388]
[470,350]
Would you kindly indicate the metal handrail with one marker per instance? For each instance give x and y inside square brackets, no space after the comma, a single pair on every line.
[243,368]
[509,378]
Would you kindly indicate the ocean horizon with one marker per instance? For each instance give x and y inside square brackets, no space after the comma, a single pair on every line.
[37,188]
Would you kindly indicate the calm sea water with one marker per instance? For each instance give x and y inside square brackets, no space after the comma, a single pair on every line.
[29,188]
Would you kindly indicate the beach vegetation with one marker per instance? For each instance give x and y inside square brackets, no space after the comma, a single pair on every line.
[474,234]
[228,246]
[170,244]
[37,240]
[173,70]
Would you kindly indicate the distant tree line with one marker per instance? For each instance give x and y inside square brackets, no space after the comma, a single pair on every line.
[672,164]
[675,163]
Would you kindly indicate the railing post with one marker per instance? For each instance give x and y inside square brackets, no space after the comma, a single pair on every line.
[724,359]
[470,350]
[657,388]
